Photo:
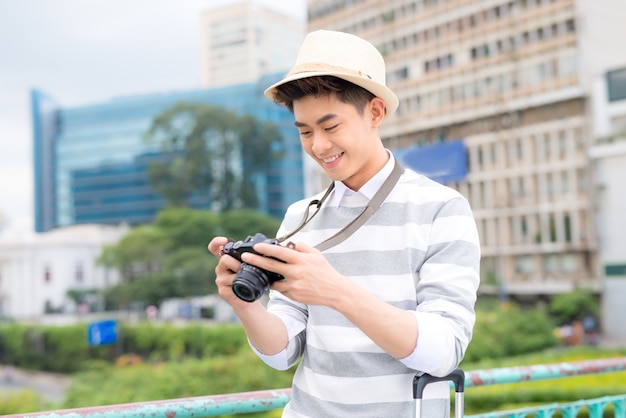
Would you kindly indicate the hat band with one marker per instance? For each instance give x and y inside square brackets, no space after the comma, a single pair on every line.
[317,67]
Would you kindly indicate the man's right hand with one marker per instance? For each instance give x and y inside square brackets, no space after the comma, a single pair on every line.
[225,272]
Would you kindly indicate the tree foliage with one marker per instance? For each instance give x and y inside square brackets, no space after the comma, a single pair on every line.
[568,307]
[169,258]
[212,152]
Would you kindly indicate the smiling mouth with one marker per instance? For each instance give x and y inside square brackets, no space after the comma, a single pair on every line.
[329,160]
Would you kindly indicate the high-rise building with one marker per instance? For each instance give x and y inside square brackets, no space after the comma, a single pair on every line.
[91,161]
[245,41]
[511,80]
[609,163]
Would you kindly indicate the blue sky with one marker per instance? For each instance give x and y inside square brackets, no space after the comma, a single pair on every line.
[86,51]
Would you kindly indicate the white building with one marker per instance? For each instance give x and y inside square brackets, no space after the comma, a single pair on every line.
[38,270]
[242,42]
[609,160]
[513,80]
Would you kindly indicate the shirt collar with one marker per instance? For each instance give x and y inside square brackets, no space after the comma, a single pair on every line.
[368,190]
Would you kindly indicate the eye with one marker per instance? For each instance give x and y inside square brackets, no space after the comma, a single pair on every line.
[305,133]
[331,128]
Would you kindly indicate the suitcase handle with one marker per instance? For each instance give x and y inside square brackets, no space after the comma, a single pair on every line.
[419,384]
[457,376]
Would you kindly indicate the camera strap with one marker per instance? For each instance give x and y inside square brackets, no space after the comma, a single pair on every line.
[356,223]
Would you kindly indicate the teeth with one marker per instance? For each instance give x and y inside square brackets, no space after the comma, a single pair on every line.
[331,159]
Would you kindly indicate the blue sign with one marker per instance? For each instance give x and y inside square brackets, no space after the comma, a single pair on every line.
[444,162]
[102,333]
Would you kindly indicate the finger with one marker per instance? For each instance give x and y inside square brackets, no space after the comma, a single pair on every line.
[304,248]
[280,252]
[216,245]
[228,265]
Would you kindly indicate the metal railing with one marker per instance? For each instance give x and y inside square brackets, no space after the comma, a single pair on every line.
[266,400]
[595,407]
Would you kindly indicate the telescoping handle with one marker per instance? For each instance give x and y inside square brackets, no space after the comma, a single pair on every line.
[419,384]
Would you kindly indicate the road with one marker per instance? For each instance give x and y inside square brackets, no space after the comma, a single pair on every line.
[50,386]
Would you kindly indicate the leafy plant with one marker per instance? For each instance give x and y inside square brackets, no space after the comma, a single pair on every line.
[508,330]
[568,307]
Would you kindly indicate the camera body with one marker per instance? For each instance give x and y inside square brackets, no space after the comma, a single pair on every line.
[250,282]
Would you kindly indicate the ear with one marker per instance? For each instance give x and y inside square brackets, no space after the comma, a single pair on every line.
[377,111]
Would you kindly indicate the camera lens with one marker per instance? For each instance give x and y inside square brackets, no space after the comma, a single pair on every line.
[250,283]
[244,292]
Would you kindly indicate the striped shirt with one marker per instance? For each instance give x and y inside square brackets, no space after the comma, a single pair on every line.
[419,252]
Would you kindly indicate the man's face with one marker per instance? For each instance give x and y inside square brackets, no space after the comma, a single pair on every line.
[341,140]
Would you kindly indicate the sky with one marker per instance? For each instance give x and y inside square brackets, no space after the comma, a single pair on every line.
[89,51]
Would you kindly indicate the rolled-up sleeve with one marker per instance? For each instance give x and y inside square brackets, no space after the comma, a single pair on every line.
[447,283]
[294,316]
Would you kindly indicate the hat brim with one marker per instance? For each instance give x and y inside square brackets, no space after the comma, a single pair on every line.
[377,89]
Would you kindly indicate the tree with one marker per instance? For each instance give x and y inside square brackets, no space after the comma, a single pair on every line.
[210,151]
[575,305]
[169,258]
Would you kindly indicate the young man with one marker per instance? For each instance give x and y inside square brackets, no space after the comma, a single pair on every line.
[393,298]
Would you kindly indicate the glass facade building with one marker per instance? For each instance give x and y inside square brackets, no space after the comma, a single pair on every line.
[91,161]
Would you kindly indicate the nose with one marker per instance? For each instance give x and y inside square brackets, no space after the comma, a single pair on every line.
[320,144]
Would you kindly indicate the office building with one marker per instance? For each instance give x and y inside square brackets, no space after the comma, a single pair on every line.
[512,80]
[245,41]
[608,157]
[91,161]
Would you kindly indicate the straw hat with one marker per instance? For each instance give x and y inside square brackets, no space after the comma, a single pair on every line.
[342,55]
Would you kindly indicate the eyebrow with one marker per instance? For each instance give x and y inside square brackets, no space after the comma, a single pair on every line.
[318,122]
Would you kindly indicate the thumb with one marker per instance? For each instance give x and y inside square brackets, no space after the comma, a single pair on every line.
[302,247]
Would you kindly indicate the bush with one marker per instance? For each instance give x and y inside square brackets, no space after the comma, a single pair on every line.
[569,307]
[21,402]
[242,372]
[507,330]
[65,349]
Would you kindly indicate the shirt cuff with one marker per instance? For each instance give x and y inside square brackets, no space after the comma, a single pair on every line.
[280,360]
[435,350]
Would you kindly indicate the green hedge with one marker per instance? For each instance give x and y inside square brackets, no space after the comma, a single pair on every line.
[107,385]
[501,331]
[65,349]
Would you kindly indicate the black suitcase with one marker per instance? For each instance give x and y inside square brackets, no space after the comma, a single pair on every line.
[419,384]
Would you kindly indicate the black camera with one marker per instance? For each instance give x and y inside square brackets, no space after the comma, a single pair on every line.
[250,282]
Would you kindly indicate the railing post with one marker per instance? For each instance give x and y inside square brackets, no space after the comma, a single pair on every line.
[597,409]
[571,411]
[546,412]
[620,408]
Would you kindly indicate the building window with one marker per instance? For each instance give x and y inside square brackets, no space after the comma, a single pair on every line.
[549,184]
[547,149]
[567,226]
[519,147]
[524,264]
[581,178]
[524,226]
[616,85]
[79,273]
[561,263]
[493,154]
[565,188]
[552,228]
